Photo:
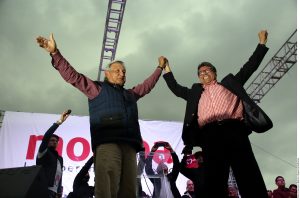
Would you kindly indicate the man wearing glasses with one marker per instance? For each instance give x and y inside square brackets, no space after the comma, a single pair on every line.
[219,117]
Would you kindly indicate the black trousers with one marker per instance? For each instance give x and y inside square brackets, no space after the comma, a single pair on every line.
[52,194]
[226,144]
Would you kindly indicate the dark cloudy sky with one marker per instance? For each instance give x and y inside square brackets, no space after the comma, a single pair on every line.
[186,31]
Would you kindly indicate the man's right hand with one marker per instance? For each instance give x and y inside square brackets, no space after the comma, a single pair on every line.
[48,45]
[162,61]
[63,117]
[164,64]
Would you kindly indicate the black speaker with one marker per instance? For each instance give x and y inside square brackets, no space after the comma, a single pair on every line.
[23,182]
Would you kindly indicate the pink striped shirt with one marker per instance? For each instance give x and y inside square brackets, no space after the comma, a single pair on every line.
[217,103]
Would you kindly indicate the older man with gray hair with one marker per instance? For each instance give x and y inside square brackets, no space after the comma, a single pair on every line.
[114,126]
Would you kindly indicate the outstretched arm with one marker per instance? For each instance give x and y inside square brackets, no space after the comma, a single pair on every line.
[254,61]
[176,88]
[84,170]
[44,145]
[69,74]
[144,88]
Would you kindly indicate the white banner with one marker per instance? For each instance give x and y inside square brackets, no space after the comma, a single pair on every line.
[21,135]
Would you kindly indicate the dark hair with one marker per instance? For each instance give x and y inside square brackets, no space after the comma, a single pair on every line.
[278,177]
[293,185]
[208,64]
[55,136]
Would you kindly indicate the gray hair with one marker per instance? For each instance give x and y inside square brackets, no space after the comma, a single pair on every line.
[115,61]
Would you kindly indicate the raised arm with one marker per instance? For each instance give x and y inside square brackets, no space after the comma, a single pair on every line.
[148,167]
[144,88]
[82,173]
[68,73]
[176,164]
[254,61]
[44,145]
[176,88]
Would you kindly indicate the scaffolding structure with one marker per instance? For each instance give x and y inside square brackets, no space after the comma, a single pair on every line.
[232,182]
[284,59]
[1,117]
[114,18]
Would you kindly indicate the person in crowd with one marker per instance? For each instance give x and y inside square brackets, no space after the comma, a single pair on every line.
[81,187]
[189,193]
[232,192]
[50,160]
[219,117]
[293,191]
[281,191]
[164,183]
[191,166]
[114,126]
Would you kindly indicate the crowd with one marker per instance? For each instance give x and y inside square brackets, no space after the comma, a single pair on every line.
[281,191]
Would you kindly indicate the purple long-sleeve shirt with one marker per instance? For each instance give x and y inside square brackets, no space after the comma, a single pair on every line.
[89,87]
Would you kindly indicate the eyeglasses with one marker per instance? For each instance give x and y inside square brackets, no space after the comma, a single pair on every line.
[203,72]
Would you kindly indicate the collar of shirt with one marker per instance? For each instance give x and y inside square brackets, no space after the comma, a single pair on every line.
[114,85]
[214,82]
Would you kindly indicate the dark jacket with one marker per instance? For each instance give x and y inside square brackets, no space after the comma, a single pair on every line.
[114,117]
[281,193]
[188,195]
[49,160]
[254,117]
[172,176]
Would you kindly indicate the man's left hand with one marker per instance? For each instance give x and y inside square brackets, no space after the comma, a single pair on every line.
[263,37]
[162,62]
